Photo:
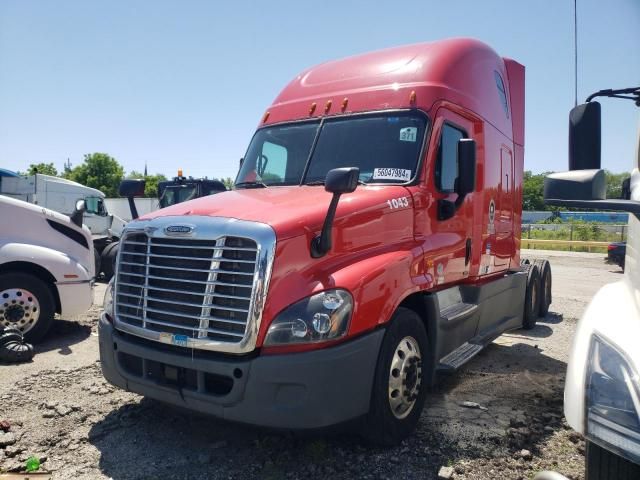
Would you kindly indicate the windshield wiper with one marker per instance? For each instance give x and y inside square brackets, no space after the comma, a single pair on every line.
[321,182]
[250,185]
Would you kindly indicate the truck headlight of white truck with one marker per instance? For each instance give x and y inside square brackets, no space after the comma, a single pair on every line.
[613,399]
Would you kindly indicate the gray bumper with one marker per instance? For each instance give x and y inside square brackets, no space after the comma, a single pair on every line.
[297,390]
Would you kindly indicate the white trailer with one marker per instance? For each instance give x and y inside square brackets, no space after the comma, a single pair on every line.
[46,267]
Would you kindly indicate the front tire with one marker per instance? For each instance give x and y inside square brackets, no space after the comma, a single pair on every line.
[26,303]
[399,388]
[601,464]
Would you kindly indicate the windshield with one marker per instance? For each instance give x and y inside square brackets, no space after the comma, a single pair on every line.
[177,194]
[384,146]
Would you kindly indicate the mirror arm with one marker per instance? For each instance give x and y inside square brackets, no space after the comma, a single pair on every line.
[321,244]
[133,208]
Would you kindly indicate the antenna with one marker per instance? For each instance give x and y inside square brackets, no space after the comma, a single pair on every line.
[575,52]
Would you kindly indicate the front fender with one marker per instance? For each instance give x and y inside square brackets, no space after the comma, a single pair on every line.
[61,266]
[379,284]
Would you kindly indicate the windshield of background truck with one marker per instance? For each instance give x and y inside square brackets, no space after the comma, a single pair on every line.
[177,194]
[384,146]
[94,205]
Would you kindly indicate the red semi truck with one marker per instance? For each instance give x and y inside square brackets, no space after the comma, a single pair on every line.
[372,241]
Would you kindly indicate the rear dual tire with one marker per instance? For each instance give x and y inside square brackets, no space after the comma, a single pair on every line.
[538,291]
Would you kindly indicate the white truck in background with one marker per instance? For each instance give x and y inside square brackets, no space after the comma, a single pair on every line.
[602,389]
[46,266]
[61,195]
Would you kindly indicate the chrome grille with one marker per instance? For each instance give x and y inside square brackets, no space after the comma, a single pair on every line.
[195,287]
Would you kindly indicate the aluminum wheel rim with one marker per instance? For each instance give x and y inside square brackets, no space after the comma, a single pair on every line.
[19,308]
[405,377]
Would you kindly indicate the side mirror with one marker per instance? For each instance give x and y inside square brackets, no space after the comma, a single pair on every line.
[466,166]
[130,189]
[576,185]
[78,214]
[337,181]
[584,137]
[342,180]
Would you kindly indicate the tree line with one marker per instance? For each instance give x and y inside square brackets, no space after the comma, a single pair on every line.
[103,172]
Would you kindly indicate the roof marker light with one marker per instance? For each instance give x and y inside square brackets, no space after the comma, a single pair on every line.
[312,108]
[266,117]
[179,172]
[327,107]
[344,104]
[412,97]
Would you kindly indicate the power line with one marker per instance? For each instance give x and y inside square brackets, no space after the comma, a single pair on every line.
[575,52]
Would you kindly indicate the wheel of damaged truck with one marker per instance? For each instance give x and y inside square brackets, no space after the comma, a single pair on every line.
[399,391]
[601,464]
[544,268]
[532,296]
[26,304]
[109,255]
[97,262]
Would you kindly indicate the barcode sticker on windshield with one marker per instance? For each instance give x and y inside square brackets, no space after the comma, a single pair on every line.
[408,134]
[392,174]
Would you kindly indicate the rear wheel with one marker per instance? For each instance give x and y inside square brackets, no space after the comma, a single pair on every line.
[27,304]
[399,389]
[97,261]
[544,268]
[532,297]
[601,464]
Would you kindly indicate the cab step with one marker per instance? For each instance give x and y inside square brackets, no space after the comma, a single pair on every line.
[458,311]
[461,355]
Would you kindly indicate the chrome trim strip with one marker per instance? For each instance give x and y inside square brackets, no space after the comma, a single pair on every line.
[75,282]
[209,228]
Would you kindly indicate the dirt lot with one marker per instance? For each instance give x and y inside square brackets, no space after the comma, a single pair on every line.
[62,410]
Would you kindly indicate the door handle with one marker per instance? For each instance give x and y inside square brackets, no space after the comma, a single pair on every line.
[467,252]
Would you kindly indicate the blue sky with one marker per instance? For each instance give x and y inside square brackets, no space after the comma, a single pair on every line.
[184,83]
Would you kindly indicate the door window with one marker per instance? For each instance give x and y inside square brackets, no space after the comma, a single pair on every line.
[447,160]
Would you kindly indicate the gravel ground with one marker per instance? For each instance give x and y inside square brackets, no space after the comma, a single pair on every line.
[60,409]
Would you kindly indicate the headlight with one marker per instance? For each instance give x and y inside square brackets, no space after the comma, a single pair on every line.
[107,303]
[613,400]
[321,317]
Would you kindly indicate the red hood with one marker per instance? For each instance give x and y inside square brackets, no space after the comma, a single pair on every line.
[290,211]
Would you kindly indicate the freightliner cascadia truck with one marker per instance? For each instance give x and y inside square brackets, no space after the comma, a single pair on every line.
[371,242]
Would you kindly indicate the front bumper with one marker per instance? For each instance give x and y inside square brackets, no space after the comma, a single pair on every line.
[76,297]
[294,391]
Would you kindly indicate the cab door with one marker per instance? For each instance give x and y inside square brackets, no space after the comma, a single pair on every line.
[504,241]
[451,247]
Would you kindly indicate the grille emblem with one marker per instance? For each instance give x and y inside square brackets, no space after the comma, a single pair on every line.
[182,230]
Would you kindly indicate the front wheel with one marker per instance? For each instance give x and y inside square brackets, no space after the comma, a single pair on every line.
[399,388]
[601,464]
[26,304]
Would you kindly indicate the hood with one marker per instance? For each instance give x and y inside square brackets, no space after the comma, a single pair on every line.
[290,211]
